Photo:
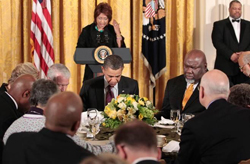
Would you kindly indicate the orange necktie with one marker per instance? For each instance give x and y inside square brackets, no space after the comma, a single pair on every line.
[188,93]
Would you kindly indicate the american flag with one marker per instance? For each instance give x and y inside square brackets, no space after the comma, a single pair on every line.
[151,9]
[41,37]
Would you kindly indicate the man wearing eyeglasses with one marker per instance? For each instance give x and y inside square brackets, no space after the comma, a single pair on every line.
[244,64]
[230,37]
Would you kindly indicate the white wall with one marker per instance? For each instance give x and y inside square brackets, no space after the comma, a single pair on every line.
[207,12]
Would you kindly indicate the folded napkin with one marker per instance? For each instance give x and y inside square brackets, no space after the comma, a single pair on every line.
[172,146]
[165,121]
[84,120]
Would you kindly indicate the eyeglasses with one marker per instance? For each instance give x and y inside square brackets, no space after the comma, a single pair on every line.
[241,67]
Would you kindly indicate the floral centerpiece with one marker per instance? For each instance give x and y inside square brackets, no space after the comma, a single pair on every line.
[127,108]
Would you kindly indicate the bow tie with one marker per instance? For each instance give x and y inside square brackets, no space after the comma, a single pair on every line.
[236,20]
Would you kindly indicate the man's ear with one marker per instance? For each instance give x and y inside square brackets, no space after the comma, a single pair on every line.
[102,69]
[26,94]
[75,127]
[121,152]
[158,154]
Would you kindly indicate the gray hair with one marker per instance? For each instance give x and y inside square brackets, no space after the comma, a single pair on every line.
[41,91]
[246,59]
[114,62]
[240,95]
[58,70]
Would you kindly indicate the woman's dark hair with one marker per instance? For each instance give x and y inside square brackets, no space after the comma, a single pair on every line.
[103,8]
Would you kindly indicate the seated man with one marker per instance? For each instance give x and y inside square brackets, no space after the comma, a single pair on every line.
[182,91]
[244,64]
[60,74]
[98,92]
[53,143]
[20,69]
[218,135]
[136,142]
[14,103]
[240,95]
[34,120]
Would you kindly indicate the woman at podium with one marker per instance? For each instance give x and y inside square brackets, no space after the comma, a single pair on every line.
[99,33]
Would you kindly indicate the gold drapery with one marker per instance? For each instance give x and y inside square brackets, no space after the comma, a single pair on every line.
[68,19]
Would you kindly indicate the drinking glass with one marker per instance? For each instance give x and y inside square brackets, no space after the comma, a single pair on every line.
[175,116]
[93,121]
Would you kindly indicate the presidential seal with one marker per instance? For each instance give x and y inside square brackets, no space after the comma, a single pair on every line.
[101,53]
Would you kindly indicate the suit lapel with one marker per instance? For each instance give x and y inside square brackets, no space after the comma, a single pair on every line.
[193,97]
[231,29]
[122,87]
[242,30]
[181,90]
[99,90]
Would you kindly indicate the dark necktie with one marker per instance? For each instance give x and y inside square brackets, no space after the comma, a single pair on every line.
[236,20]
[109,94]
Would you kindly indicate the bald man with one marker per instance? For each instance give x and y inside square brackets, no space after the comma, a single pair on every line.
[53,144]
[218,135]
[15,102]
[195,65]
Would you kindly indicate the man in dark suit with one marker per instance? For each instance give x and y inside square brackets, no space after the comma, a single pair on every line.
[230,37]
[14,103]
[195,65]
[218,135]
[53,144]
[95,92]
[136,143]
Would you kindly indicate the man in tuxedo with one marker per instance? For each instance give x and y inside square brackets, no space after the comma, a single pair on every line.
[230,37]
[53,144]
[177,95]
[60,74]
[218,135]
[136,143]
[98,92]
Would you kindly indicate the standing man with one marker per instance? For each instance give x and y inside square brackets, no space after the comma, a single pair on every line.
[60,74]
[182,92]
[98,92]
[230,37]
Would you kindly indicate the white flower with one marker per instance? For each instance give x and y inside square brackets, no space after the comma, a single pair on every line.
[122,105]
[135,105]
[120,99]
[148,104]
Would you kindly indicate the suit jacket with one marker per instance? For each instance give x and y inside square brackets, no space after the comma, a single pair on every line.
[218,135]
[3,87]
[8,113]
[43,147]
[174,94]
[225,42]
[92,91]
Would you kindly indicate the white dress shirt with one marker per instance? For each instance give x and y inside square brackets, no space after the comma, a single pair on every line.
[236,26]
